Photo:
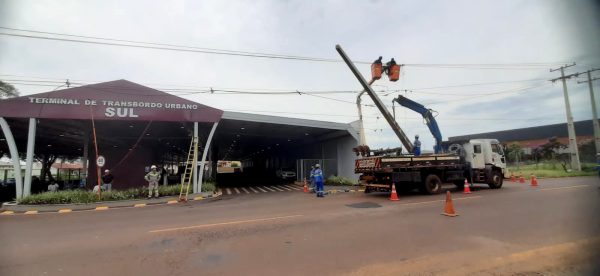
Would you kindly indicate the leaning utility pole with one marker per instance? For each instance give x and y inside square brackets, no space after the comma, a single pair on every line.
[574,152]
[595,114]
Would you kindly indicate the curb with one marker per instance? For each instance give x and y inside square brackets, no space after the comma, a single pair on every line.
[12,208]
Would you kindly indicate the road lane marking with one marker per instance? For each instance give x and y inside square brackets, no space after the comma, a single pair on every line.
[559,188]
[228,191]
[268,188]
[222,223]
[61,211]
[236,190]
[277,188]
[139,205]
[254,190]
[292,187]
[440,200]
[246,191]
[172,202]
[263,190]
[101,208]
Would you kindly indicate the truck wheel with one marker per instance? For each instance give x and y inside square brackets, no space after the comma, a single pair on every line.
[496,181]
[432,185]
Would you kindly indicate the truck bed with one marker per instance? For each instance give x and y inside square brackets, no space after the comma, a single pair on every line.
[396,163]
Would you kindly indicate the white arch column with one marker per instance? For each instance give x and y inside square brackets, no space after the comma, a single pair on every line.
[14,156]
[204,154]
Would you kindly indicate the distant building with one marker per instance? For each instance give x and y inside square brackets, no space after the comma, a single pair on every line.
[532,137]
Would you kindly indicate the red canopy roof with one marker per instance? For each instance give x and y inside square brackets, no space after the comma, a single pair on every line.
[114,100]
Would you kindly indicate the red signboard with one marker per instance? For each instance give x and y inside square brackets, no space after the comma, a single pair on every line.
[115,100]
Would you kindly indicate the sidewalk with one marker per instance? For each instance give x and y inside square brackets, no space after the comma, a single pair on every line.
[9,208]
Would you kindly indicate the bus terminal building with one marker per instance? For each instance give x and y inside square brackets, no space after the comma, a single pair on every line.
[134,127]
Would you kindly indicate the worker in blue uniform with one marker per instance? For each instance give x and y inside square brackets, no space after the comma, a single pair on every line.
[312,188]
[318,175]
[417,146]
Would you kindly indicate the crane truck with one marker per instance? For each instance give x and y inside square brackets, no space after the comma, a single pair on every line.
[475,160]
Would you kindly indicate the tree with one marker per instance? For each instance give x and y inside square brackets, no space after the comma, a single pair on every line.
[7,90]
[47,160]
[515,151]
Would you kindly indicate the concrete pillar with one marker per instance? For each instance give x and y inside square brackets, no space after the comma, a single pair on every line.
[195,163]
[29,156]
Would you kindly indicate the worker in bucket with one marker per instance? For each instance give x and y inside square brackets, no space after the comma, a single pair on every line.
[318,176]
[152,177]
[417,146]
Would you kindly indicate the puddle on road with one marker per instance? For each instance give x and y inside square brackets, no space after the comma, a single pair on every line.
[364,205]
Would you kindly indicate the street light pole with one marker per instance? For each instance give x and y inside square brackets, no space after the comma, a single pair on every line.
[594,112]
[574,152]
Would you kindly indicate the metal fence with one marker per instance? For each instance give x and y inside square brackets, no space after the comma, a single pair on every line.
[303,167]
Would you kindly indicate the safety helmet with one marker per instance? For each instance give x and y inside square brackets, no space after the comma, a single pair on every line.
[106,171]
[153,167]
[317,165]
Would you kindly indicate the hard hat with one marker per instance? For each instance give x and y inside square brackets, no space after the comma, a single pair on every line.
[317,165]
[106,171]
[153,167]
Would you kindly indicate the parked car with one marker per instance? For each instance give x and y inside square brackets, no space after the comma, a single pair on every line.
[285,174]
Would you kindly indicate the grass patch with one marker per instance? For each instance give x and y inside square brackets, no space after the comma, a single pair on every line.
[83,196]
[340,181]
[552,170]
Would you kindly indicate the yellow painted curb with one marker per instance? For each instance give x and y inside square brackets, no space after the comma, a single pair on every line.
[361,190]
[352,191]
[140,205]
[8,213]
[101,208]
[172,202]
[198,198]
[64,211]
[32,212]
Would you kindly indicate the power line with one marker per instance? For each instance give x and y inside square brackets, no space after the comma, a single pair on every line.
[184,48]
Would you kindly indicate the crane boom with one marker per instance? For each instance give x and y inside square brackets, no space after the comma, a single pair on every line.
[386,114]
[427,115]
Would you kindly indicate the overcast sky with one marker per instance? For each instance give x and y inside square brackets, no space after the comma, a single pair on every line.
[419,34]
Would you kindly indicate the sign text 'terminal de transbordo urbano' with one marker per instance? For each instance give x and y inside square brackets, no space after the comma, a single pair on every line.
[114,108]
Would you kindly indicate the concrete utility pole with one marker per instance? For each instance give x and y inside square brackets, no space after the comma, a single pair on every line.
[595,114]
[570,126]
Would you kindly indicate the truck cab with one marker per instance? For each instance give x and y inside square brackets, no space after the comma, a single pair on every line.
[487,159]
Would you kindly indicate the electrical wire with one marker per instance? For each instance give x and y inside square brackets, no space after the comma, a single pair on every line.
[184,48]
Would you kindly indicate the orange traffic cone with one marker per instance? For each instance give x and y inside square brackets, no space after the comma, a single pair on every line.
[512,178]
[394,195]
[305,186]
[534,182]
[467,189]
[521,179]
[449,207]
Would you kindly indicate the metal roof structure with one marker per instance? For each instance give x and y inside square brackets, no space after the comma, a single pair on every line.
[113,100]
[582,128]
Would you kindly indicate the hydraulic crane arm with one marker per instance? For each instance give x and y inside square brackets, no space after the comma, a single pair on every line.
[427,115]
[367,88]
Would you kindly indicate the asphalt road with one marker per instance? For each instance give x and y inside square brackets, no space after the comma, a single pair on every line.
[553,228]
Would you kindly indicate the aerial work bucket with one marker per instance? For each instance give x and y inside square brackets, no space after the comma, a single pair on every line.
[393,70]
[376,69]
